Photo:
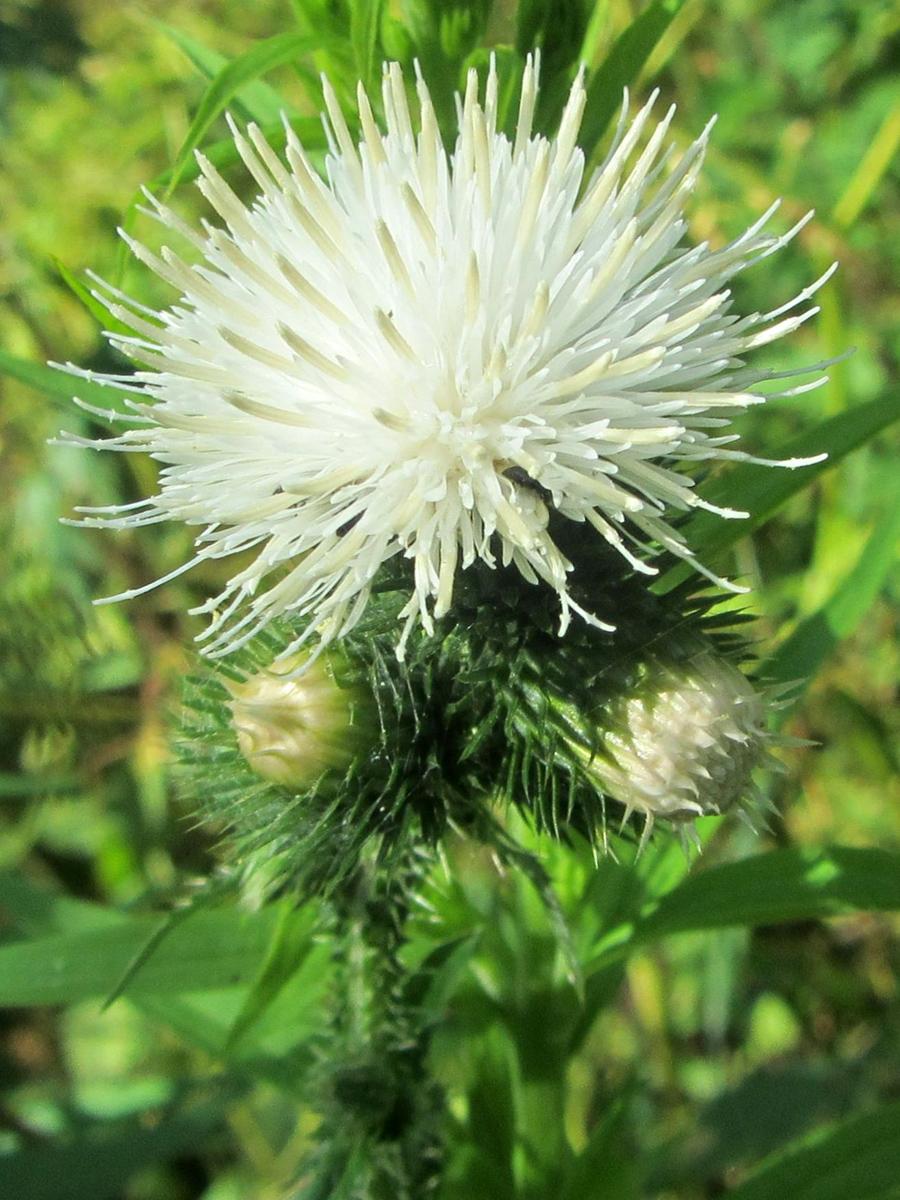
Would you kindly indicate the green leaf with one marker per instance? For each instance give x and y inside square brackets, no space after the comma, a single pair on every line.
[781,885]
[149,947]
[622,66]
[59,385]
[39,911]
[365,26]
[873,165]
[812,642]
[264,56]
[203,1021]
[292,941]
[256,101]
[594,31]
[440,975]
[858,1158]
[208,950]
[95,307]
[492,1110]
[99,1164]
[762,490]
[14,784]
[224,154]
[607,1168]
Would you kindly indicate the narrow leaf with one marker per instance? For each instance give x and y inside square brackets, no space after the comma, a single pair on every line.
[871,170]
[291,943]
[592,35]
[209,950]
[256,101]
[763,490]
[623,64]
[813,641]
[781,885]
[58,385]
[858,1158]
[365,26]
[492,1109]
[144,952]
[95,307]
[207,1029]
[264,56]
[202,1020]
[224,154]
[441,974]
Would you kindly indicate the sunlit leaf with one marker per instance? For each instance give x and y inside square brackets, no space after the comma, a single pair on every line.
[365,21]
[780,885]
[256,100]
[815,639]
[621,68]
[264,56]
[762,490]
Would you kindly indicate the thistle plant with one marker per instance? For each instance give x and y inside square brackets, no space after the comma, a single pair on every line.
[444,391]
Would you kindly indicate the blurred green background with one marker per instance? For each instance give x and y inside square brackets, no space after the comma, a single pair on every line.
[725,1043]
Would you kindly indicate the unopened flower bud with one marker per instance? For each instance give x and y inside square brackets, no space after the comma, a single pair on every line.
[685,744]
[293,727]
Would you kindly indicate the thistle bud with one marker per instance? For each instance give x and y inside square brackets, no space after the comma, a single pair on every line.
[685,743]
[292,727]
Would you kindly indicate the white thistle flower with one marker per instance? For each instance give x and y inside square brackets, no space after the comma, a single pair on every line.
[381,362]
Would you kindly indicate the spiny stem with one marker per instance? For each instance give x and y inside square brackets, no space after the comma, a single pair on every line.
[379,1134]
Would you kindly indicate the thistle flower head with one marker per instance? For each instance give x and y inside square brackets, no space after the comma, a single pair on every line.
[686,743]
[419,353]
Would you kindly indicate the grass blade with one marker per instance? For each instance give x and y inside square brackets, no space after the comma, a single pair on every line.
[813,641]
[95,307]
[58,385]
[224,154]
[256,100]
[623,65]
[263,57]
[365,27]
[762,490]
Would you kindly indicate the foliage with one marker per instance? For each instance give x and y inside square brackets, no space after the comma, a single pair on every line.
[643,1027]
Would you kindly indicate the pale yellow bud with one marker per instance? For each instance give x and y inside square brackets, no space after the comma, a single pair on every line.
[292,728]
